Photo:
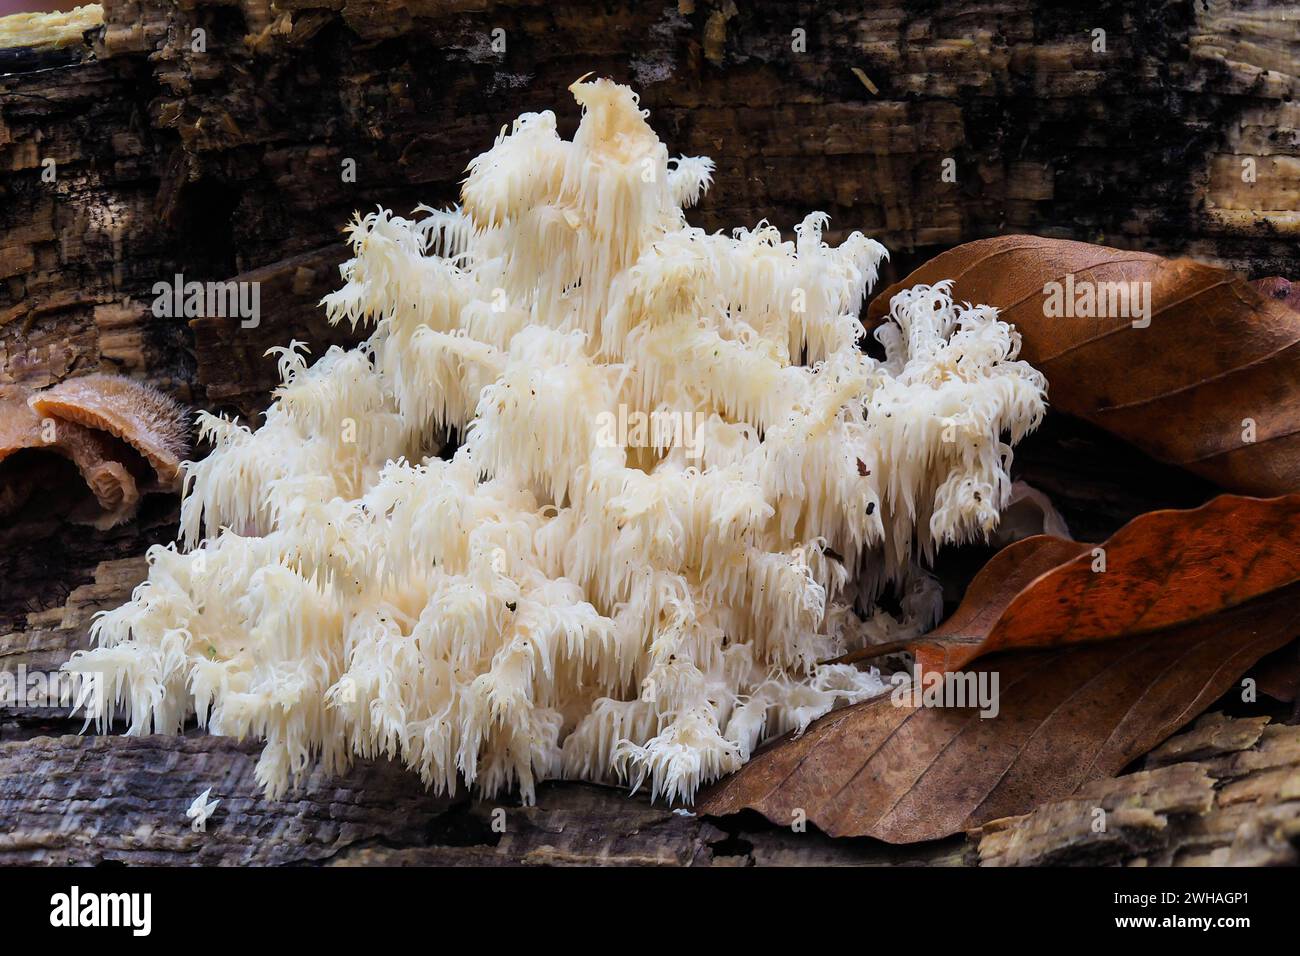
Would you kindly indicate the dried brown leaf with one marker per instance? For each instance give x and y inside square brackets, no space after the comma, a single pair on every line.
[1162,568]
[902,773]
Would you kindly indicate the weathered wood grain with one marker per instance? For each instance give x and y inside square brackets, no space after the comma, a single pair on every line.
[227,163]
[1225,793]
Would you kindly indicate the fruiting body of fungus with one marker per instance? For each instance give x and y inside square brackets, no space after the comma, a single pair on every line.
[201,810]
[124,437]
[545,602]
[147,420]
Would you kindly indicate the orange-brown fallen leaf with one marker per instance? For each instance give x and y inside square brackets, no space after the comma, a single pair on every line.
[1160,569]
[1211,384]
[903,773]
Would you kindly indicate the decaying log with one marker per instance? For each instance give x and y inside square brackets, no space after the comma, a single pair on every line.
[224,159]
[1226,793]
[226,162]
[71,800]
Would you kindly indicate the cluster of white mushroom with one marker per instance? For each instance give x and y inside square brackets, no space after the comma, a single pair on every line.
[539,601]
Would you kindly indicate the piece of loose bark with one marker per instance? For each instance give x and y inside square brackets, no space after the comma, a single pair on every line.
[102,464]
[125,437]
[1224,794]
[149,421]
[87,800]
[77,800]
[1160,569]
[1100,825]
[902,773]
[1212,383]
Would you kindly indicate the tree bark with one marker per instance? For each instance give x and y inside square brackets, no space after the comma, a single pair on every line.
[219,154]
[1225,793]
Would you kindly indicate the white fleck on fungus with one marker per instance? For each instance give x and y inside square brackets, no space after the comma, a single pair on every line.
[540,602]
[201,811]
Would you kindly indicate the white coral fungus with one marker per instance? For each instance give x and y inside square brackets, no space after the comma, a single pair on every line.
[201,811]
[543,603]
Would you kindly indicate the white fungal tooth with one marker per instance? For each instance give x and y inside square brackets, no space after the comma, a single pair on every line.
[576,589]
[201,811]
